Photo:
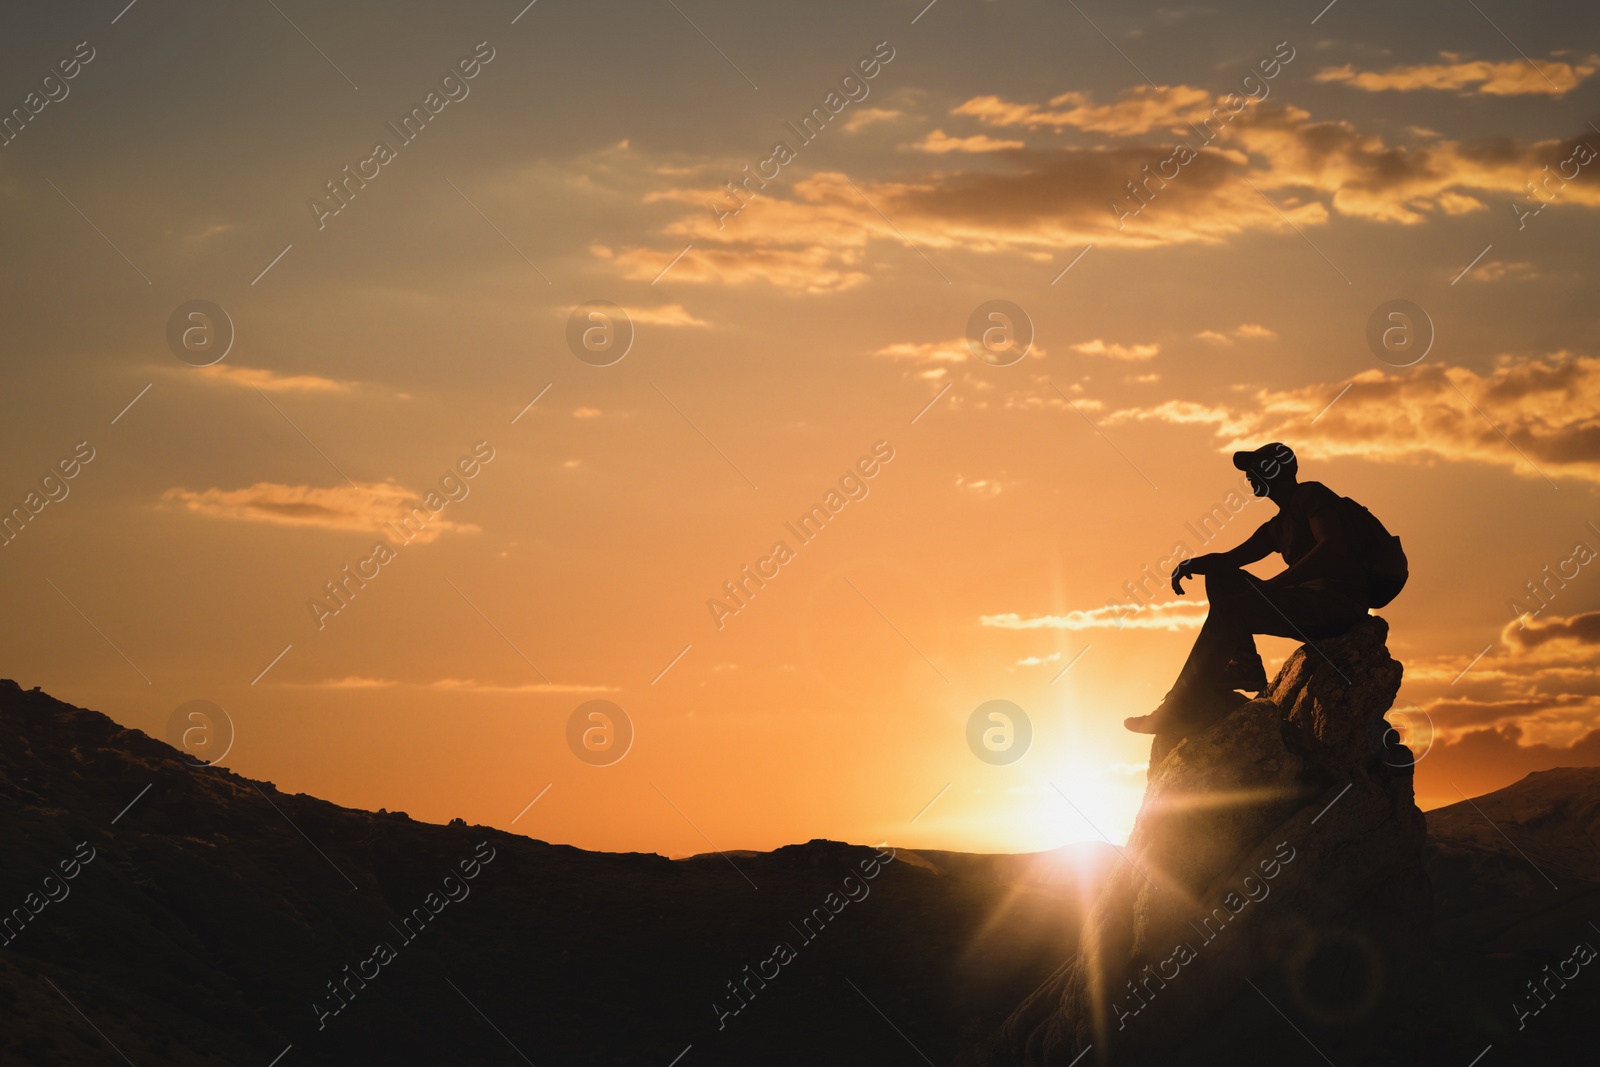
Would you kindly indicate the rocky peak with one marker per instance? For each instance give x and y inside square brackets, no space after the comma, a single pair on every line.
[1281,847]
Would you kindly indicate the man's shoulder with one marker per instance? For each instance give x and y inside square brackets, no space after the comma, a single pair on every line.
[1312,498]
[1315,491]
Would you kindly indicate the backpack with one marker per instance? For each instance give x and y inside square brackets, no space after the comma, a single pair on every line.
[1380,554]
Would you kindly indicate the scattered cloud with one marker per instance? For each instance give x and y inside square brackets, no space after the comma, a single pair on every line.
[586,412]
[955,351]
[1113,350]
[980,486]
[269,381]
[1136,111]
[1495,270]
[665,315]
[1248,331]
[207,232]
[1515,77]
[939,142]
[1175,615]
[1570,635]
[816,236]
[939,352]
[1539,683]
[365,507]
[353,681]
[469,685]
[1531,416]
[861,118]
[454,685]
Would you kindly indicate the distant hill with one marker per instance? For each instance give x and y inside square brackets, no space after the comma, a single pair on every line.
[1519,869]
[214,912]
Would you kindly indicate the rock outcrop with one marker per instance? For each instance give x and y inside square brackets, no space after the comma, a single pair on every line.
[1281,847]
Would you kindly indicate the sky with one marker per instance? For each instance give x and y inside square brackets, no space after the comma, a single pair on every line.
[535,375]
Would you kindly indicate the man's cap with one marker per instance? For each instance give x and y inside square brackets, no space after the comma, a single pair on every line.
[1270,457]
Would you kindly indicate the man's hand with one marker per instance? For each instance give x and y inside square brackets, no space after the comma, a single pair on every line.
[1189,568]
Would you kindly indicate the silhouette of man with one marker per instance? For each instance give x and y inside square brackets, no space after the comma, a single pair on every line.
[1323,591]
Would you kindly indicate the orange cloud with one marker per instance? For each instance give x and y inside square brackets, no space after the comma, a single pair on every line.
[1112,350]
[864,117]
[1551,77]
[365,507]
[456,685]
[271,381]
[1136,111]
[1531,416]
[955,351]
[939,142]
[1559,637]
[1246,330]
[815,237]
[1177,615]
[665,315]
[1539,683]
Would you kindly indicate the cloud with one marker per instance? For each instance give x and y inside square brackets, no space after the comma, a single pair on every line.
[1176,615]
[957,350]
[1136,111]
[586,412]
[1530,416]
[817,235]
[1451,714]
[1552,77]
[365,507]
[1570,635]
[1248,331]
[472,686]
[861,118]
[665,315]
[456,685]
[939,142]
[1113,350]
[1495,270]
[1482,760]
[352,681]
[270,381]
[1540,682]
[980,486]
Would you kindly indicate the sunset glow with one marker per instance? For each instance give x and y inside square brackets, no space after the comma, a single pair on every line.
[780,500]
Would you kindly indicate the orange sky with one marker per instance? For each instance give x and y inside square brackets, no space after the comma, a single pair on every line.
[981,152]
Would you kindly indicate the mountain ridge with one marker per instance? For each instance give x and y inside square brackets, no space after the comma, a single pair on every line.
[207,924]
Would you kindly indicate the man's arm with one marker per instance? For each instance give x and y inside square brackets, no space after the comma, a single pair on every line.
[1257,546]
[1331,549]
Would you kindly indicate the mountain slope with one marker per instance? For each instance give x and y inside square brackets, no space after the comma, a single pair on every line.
[1518,870]
[205,923]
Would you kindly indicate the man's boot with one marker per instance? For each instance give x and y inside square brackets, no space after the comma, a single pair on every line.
[1167,714]
[1186,711]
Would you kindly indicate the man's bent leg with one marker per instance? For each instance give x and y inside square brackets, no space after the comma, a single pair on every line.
[1224,655]
[1205,684]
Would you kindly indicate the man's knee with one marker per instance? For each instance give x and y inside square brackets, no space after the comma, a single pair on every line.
[1225,582]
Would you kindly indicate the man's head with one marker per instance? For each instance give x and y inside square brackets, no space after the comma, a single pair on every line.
[1272,468]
